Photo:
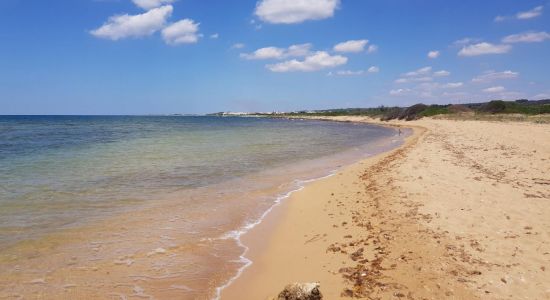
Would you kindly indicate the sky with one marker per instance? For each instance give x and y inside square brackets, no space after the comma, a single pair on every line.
[202,56]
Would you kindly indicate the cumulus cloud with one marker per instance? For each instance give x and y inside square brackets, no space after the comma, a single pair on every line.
[483,49]
[433,54]
[492,76]
[264,53]
[347,73]
[373,69]
[494,89]
[298,50]
[295,11]
[452,85]
[442,73]
[527,37]
[421,71]
[316,61]
[181,32]
[533,13]
[279,53]
[351,46]
[148,4]
[214,35]
[424,75]
[124,26]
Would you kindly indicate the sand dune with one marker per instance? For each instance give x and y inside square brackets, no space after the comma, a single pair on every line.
[461,211]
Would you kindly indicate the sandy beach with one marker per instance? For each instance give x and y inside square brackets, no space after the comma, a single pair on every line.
[460,211]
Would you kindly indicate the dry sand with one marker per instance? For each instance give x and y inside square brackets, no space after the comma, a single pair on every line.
[461,211]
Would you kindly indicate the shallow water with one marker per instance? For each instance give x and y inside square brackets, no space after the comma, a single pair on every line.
[118,207]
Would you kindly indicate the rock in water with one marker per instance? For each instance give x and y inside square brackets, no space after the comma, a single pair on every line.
[301,291]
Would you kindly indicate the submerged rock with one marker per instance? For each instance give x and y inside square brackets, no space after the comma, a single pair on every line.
[301,291]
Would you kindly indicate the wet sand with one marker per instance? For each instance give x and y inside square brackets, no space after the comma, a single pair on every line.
[461,211]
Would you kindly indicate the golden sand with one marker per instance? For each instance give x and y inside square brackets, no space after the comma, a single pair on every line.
[461,211]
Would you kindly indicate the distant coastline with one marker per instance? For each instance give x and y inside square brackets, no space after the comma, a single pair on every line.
[477,110]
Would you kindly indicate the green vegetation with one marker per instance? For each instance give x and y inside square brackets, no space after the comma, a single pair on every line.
[417,111]
[371,112]
[433,110]
[493,107]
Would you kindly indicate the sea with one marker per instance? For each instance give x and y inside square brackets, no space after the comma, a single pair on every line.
[129,207]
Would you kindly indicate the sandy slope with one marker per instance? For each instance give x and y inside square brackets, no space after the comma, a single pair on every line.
[462,211]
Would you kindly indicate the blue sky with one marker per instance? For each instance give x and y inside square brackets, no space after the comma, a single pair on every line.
[197,56]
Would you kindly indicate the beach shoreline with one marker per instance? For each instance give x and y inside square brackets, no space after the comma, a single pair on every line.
[270,217]
[418,221]
[182,244]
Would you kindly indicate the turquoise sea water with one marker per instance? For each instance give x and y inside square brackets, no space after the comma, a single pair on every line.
[62,172]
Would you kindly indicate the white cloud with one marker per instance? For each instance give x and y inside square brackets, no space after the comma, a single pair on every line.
[533,13]
[181,32]
[295,11]
[316,61]
[299,50]
[279,53]
[433,54]
[424,75]
[442,73]
[123,26]
[484,48]
[351,46]
[148,4]
[237,46]
[494,89]
[350,73]
[422,79]
[373,69]
[527,37]
[452,85]
[491,76]
[399,92]
[420,75]
[523,15]
[215,36]
[421,71]
[372,48]
[264,53]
